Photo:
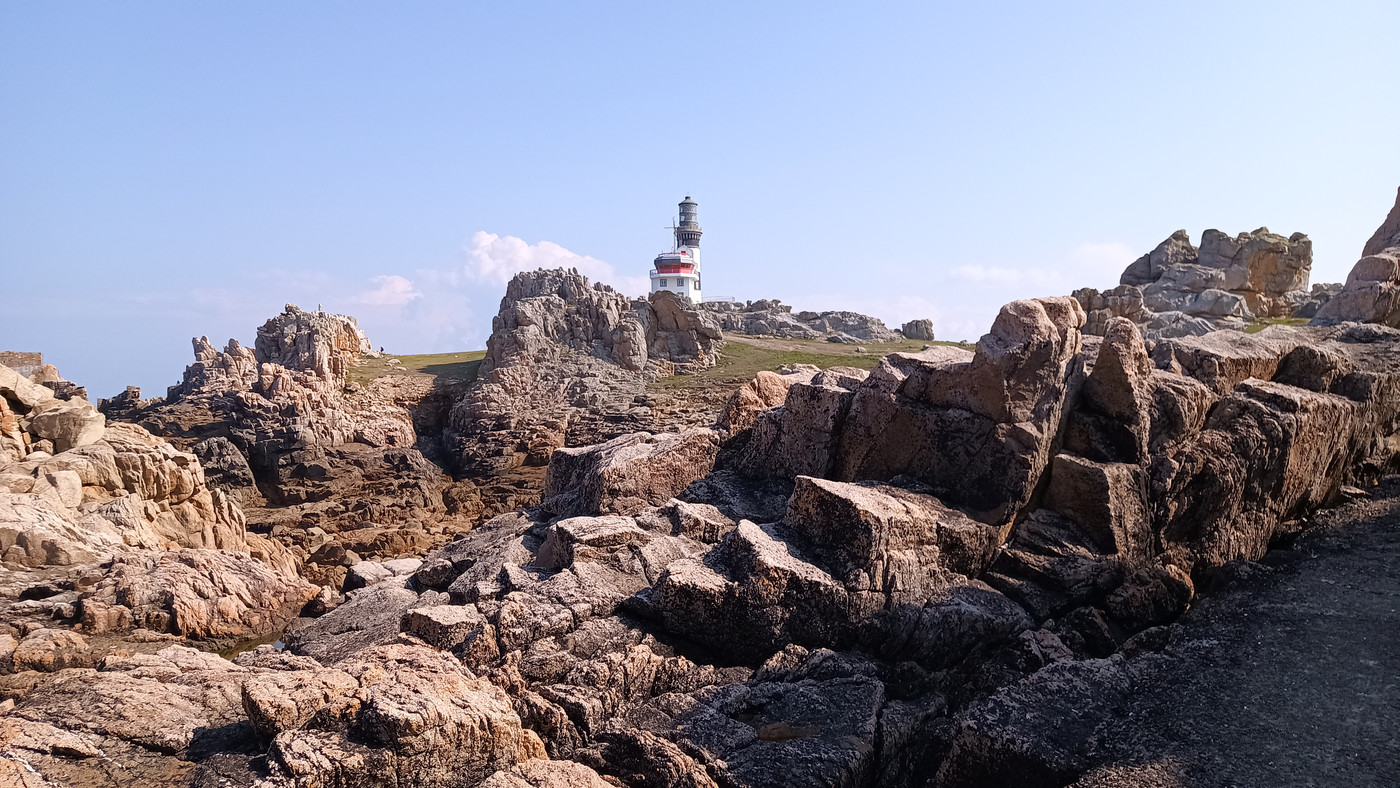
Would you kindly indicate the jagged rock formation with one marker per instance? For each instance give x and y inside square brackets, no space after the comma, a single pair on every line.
[770,317]
[282,406]
[567,365]
[331,468]
[545,308]
[74,489]
[1372,290]
[1179,290]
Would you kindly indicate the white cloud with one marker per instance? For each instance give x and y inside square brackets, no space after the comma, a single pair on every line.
[496,258]
[391,290]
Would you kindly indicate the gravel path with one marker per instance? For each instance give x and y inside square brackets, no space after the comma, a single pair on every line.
[1290,678]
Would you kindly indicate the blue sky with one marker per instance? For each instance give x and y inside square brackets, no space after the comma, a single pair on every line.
[174,169]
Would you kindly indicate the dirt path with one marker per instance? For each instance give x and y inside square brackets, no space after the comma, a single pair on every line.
[1290,679]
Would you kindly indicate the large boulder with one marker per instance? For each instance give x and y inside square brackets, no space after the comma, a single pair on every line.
[630,472]
[978,431]
[886,542]
[1112,420]
[67,424]
[918,329]
[766,390]
[800,438]
[679,331]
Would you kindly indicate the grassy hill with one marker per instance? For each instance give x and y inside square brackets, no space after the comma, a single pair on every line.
[450,367]
[744,356]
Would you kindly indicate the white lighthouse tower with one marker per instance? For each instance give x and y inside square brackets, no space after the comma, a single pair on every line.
[679,269]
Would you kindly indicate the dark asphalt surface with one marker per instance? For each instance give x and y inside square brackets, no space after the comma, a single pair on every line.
[1290,678]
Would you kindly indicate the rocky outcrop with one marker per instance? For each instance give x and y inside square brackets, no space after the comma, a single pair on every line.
[281,403]
[117,490]
[33,418]
[1179,290]
[567,365]
[918,329]
[976,427]
[285,432]
[556,307]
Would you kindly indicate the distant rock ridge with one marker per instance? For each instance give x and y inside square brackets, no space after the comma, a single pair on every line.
[770,317]
[1179,290]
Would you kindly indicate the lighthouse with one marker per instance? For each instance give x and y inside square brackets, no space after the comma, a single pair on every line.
[679,269]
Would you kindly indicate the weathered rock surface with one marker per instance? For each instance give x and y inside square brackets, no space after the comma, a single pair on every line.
[142,718]
[124,490]
[416,718]
[205,594]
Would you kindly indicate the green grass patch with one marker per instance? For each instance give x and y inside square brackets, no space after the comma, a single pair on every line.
[741,361]
[456,367]
[1263,323]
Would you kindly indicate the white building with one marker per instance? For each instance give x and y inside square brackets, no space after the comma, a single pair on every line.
[679,269]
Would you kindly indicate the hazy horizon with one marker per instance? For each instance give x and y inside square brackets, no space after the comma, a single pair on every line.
[169,171]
